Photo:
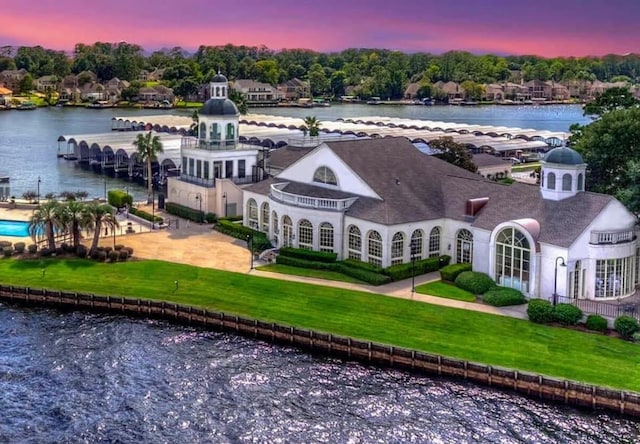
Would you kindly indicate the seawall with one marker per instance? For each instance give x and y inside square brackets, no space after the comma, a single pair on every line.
[530,384]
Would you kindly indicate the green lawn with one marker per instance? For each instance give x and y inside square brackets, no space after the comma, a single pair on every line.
[463,334]
[445,290]
[308,272]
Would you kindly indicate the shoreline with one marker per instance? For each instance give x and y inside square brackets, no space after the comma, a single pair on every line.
[533,385]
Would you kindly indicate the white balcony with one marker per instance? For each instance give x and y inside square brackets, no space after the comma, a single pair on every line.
[611,237]
[310,202]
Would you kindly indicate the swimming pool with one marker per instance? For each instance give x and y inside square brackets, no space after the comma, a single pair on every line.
[14,228]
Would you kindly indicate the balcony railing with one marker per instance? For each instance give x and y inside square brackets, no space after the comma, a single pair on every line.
[611,237]
[310,202]
[210,145]
[211,183]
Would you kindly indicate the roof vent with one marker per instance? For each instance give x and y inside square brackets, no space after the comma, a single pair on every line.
[474,206]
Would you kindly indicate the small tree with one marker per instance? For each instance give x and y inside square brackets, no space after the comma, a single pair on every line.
[30,196]
[312,125]
[453,152]
[148,146]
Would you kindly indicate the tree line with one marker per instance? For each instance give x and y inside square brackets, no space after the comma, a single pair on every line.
[373,72]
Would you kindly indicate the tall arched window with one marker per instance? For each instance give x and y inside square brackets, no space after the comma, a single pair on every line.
[252,214]
[417,238]
[325,175]
[217,91]
[566,182]
[276,230]
[374,248]
[265,217]
[355,243]
[202,133]
[305,235]
[580,182]
[231,131]
[575,281]
[434,242]
[326,237]
[551,181]
[397,249]
[287,232]
[513,259]
[214,135]
[464,246]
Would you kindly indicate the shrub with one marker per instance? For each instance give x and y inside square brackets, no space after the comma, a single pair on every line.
[59,251]
[102,256]
[107,249]
[32,248]
[119,198]
[540,311]
[146,216]
[636,336]
[260,241]
[474,282]
[596,323]
[113,256]
[626,326]
[405,271]
[503,296]
[7,251]
[130,250]
[5,244]
[118,247]
[318,256]
[183,212]
[371,277]
[123,254]
[353,263]
[210,218]
[451,272]
[46,252]
[81,251]
[567,314]
[19,246]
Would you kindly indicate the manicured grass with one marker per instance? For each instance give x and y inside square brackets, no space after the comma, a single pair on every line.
[307,272]
[525,167]
[469,335]
[445,290]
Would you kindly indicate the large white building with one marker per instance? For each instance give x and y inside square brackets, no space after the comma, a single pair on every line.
[372,199]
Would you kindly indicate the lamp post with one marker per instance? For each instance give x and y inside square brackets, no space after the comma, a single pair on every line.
[224,196]
[250,247]
[38,194]
[413,245]
[153,208]
[555,279]
[199,199]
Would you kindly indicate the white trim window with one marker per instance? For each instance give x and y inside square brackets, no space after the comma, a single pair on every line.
[325,175]
[416,244]
[434,242]
[326,237]
[513,259]
[355,243]
[252,214]
[464,246]
[287,232]
[265,217]
[615,277]
[374,248]
[397,249]
[305,235]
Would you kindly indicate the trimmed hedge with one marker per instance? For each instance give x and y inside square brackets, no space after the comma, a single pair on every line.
[567,314]
[405,271]
[503,296]
[596,323]
[260,241]
[540,311]
[185,212]
[474,282]
[353,263]
[626,326]
[318,256]
[451,272]
[19,246]
[370,277]
[146,216]
[119,198]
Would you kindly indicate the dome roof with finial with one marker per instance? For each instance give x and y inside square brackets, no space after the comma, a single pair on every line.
[564,156]
[219,78]
[219,107]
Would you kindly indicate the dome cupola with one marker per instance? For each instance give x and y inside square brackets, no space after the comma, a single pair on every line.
[562,174]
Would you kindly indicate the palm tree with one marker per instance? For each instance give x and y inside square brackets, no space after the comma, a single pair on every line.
[312,125]
[44,221]
[239,100]
[99,215]
[195,121]
[74,216]
[149,146]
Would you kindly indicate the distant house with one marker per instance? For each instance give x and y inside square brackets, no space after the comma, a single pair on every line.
[93,91]
[5,95]
[294,89]
[411,91]
[559,91]
[115,87]
[47,83]
[256,92]
[451,89]
[492,167]
[539,90]
[11,78]
[156,93]
[494,92]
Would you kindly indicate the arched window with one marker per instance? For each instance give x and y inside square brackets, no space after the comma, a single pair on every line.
[464,246]
[355,243]
[326,237]
[417,238]
[276,230]
[217,91]
[513,259]
[287,232]
[214,135]
[252,214]
[566,182]
[575,281]
[305,235]
[580,182]
[397,249]
[265,217]
[374,248]
[551,181]
[434,242]
[231,131]
[325,175]
[202,133]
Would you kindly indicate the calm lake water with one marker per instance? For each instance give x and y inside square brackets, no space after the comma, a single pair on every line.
[82,378]
[28,144]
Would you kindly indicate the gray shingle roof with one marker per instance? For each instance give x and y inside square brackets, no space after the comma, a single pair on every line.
[285,156]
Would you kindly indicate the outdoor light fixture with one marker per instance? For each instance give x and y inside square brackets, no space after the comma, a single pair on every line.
[555,279]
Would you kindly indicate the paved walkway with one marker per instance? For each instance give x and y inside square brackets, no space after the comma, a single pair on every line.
[200,245]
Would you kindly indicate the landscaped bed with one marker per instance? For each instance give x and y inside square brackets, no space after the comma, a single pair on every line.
[469,335]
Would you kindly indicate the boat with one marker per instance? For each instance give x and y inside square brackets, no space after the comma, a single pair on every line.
[100,104]
[26,105]
[320,102]
[373,101]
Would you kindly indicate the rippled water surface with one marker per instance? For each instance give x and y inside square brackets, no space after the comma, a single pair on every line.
[82,378]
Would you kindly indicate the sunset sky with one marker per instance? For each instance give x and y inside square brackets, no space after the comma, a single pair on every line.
[544,27]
